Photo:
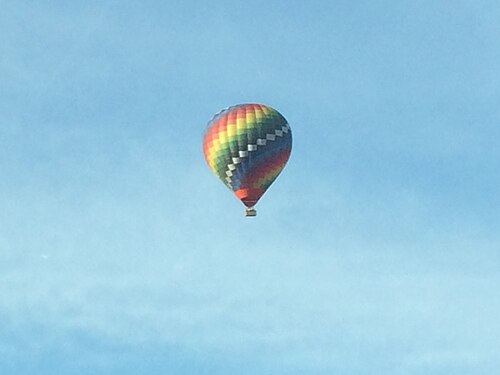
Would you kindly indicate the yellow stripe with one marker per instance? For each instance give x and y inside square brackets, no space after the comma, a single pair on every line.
[231,130]
[267,111]
[250,118]
[216,146]
[223,138]
[240,126]
[269,177]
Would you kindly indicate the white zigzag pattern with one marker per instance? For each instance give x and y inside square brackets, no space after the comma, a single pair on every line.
[260,142]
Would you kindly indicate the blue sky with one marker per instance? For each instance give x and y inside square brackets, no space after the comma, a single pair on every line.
[376,251]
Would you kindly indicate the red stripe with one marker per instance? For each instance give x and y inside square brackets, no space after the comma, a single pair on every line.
[267,167]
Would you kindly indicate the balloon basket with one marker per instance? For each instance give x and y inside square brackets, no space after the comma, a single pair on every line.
[249,212]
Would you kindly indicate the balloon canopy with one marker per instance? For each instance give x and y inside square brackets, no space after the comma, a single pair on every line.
[247,146]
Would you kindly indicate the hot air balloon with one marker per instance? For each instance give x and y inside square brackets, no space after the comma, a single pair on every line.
[247,146]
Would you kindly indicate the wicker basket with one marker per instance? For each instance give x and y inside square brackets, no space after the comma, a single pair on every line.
[250,212]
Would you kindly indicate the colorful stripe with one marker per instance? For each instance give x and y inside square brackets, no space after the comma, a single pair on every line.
[247,146]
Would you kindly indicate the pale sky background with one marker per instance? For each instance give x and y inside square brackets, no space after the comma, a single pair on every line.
[377,251]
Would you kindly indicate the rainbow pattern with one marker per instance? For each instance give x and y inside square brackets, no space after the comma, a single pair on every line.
[247,146]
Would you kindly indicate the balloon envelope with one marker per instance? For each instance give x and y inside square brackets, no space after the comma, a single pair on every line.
[247,146]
